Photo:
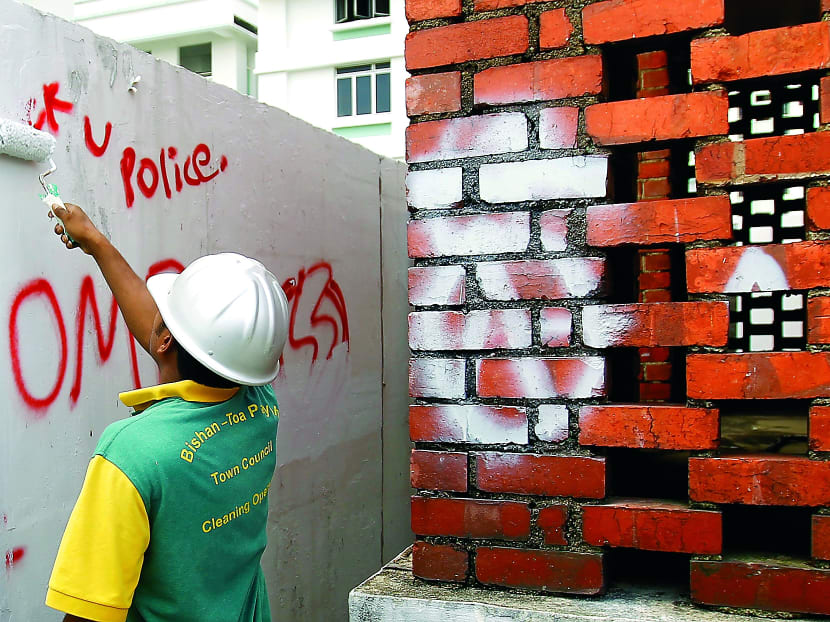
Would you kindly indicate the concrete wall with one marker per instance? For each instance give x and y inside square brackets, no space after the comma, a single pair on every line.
[310,205]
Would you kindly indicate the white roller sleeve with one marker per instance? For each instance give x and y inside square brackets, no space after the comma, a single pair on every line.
[25,142]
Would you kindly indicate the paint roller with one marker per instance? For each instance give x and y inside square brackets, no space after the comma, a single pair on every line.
[26,143]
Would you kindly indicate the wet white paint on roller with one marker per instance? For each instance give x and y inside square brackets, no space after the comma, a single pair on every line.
[533,180]
[434,189]
[603,327]
[756,271]
[437,285]
[437,378]
[553,423]
[476,330]
[25,142]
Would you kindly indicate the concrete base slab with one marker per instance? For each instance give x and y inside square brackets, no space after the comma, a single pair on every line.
[394,595]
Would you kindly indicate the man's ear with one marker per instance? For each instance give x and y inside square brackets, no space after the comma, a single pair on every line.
[165,342]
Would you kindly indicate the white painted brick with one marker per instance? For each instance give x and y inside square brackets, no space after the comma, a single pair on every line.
[472,423]
[558,127]
[437,378]
[556,325]
[563,178]
[554,226]
[551,279]
[466,137]
[487,329]
[435,189]
[553,423]
[481,234]
[437,285]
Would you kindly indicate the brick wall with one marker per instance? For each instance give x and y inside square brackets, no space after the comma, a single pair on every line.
[534,463]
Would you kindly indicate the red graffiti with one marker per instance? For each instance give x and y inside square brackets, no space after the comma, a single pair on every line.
[14,556]
[195,171]
[317,281]
[87,301]
[52,104]
[37,288]
[94,148]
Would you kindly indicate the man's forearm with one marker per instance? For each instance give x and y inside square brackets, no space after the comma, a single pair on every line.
[130,291]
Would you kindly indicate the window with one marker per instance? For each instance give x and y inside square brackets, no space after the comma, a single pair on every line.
[351,10]
[196,58]
[363,89]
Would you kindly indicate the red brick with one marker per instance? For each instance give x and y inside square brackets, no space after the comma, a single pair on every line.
[824,100]
[569,377]
[653,189]
[760,480]
[490,5]
[654,355]
[479,234]
[438,470]
[466,137]
[470,518]
[541,80]
[658,324]
[545,571]
[821,537]
[655,262]
[820,428]
[764,159]
[551,279]
[658,118]
[484,329]
[436,92]
[772,267]
[818,208]
[556,325]
[654,280]
[417,10]
[549,476]
[655,392]
[555,29]
[655,295]
[818,320]
[467,423]
[552,521]
[618,20]
[653,169]
[825,5]
[654,78]
[653,526]
[658,222]
[652,60]
[649,427]
[554,226]
[458,43]
[558,127]
[656,372]
[762,53]
[758,375]
[772,585]
[440,562]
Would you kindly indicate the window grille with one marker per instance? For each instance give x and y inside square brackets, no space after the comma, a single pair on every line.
[351,10]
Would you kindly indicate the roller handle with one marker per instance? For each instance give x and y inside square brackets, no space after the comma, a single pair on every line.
[52,200]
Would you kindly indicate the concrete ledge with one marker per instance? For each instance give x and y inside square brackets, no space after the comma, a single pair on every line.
[394,595]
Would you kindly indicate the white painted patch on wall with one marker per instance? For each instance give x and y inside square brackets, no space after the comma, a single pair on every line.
[434,189]
[553,423]
[756,271]
[602,327]
[563,178]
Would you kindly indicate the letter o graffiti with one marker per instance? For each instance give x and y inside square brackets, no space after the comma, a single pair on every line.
[38,287]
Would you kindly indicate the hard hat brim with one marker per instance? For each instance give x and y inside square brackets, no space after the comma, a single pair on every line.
[160,286]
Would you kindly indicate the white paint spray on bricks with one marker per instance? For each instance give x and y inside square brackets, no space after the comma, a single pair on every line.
[553,423]
[556,324]
[603,327]
[576,177]
[437,285]
[432,377]
[467,137]
[484,424]
[575,277]
[485,329]
[554,226]
[756,272]
[483,234]
[434,189]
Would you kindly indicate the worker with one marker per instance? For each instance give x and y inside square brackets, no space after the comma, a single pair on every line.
[170,524]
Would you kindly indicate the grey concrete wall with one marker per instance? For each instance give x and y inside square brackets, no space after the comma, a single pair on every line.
[311,206]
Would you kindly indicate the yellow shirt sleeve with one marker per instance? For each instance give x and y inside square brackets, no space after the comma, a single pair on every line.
[100,557]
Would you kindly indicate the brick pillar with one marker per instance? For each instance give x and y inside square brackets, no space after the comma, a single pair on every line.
[653,183]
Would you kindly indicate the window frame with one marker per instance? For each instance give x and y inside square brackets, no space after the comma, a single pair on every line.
[352,73]
[347,11]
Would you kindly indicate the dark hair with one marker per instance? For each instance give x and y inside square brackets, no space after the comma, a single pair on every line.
[191,369]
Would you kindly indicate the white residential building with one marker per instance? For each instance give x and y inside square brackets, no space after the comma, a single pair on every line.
[337,64]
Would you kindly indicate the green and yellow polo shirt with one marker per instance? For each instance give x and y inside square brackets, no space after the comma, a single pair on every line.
[170,522]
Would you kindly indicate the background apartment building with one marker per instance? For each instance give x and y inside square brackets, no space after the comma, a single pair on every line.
[337,64]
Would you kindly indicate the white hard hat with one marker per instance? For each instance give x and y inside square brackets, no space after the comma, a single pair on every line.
[229,313]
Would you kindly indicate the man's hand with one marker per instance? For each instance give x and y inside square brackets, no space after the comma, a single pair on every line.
[76,229]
